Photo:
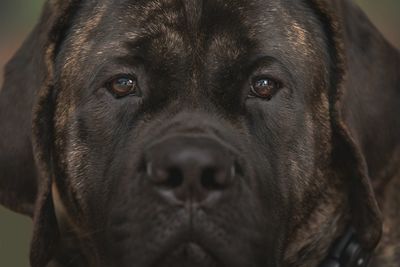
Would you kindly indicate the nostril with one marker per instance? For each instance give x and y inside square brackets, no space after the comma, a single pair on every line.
[171,177]
[175,177]
[237,169]
[212,179]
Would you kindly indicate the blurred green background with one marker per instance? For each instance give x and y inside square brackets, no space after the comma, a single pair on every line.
[17,18]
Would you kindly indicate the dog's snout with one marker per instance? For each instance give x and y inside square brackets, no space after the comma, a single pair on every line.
[190,169]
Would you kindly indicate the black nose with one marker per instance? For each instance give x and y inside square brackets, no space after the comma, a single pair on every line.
[190,169]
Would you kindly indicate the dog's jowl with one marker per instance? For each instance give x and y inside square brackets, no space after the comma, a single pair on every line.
[204,133]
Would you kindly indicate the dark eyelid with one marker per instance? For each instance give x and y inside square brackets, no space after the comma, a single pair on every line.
[107,72]
[271,68]
[258,77]
[121,75]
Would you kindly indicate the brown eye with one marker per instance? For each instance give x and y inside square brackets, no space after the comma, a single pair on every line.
[264,88]
[123,86]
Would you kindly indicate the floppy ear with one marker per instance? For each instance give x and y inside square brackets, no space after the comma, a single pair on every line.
[26,112]
[365,108]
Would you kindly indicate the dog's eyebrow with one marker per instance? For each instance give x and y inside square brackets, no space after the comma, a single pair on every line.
[137,44]
[260,61]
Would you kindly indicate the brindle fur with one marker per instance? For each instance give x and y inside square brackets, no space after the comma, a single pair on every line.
[329,143]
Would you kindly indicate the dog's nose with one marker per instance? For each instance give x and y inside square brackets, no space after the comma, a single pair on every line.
[190,169]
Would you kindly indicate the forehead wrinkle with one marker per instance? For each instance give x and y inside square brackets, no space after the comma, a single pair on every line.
[296,41]
[279,13]
[261,15]
[169,12]
[299,38]
[160,22]
[170,44]
[193,10]
[227,46]
[301,33]
[81,42]
[155,11]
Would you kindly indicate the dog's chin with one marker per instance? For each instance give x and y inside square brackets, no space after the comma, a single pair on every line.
[188,254]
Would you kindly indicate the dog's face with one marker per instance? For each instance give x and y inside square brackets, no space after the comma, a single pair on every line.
[194,133]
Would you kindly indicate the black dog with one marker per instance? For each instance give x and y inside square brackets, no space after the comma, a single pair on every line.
[204,133]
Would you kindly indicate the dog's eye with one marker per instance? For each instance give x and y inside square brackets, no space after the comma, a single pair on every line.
[123,86]
[264,88]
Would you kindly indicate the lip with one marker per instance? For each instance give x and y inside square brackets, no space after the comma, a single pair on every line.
[187,254]
[191,238]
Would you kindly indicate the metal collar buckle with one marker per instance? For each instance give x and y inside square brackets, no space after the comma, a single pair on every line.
[347,252]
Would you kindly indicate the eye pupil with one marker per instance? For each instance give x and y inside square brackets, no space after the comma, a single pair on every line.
[263,83]
[122,86]
[264,88]
[124,82]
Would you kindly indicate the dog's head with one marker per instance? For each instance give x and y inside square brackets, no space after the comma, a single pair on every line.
[197,133]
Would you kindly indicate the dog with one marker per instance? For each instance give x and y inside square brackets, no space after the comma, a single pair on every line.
[204,133]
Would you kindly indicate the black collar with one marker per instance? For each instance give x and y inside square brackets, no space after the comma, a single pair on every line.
[347,252]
